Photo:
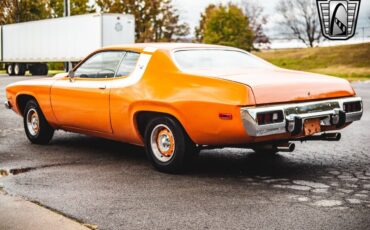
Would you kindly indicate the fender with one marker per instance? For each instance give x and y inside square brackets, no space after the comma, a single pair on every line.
[150,106]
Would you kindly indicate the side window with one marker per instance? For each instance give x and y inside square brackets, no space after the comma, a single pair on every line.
[100,65]
[128,64]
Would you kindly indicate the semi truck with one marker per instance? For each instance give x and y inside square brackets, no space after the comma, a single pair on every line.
[29,46]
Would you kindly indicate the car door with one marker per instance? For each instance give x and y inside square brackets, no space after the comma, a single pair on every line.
[82,102]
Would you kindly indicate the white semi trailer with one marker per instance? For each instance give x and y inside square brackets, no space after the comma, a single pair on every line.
[31,45]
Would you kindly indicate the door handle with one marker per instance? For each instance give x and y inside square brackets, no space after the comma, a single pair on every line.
[102,87]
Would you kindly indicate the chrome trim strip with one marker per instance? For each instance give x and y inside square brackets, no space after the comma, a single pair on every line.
[224,48]
[326,109]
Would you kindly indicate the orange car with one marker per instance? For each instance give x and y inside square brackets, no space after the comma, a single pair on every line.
[175,99]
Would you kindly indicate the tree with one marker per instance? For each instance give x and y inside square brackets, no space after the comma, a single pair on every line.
[257,20]
[7,12]
[12,11]
[199,31]
[225,25]
[300,17]
[155,20]
[77,7]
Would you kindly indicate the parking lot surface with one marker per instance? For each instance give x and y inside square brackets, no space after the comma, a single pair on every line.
[322,185]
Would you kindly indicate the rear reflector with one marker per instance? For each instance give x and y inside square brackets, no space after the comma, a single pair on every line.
[225,116]
[270,117]
[350,107]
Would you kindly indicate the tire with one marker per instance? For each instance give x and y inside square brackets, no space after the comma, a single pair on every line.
[172,152]
[39,69]
[32,69]
[19,69]
[44,69]
[10,69]
[196,151]
[37,129]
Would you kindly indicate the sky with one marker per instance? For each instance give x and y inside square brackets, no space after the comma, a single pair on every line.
[190,11]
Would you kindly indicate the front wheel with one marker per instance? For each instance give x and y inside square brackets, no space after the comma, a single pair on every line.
[168,147]
[37,129]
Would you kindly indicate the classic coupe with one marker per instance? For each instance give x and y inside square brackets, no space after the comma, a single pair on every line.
[176,99]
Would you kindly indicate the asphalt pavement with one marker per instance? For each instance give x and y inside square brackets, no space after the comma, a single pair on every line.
[321,185]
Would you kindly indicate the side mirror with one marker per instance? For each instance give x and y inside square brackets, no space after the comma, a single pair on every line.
[71,75]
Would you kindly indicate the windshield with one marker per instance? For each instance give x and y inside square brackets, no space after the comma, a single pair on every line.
[198,60]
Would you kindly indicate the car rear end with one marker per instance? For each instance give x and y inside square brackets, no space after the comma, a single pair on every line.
[289,105]
[299,120]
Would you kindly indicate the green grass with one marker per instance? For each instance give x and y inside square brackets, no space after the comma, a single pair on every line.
[349,61]
[51,72]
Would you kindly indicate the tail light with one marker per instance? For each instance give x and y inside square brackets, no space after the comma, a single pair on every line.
[270,117]
[350,107]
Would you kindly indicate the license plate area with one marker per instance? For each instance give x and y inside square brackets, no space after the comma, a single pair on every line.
[312,126]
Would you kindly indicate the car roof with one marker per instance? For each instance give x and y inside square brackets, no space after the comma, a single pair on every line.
[142,47]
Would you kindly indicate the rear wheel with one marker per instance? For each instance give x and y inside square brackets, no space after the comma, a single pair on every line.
[168,147]
[19,69]
[44,69]
[10,69]
[37,129]
[39,69]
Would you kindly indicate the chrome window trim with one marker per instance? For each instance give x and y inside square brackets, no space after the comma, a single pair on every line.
[124,53]
[332,108]
[172,54]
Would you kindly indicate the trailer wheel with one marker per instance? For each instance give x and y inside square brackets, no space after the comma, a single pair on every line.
[19,69]
[10,69]
[44,69]
[39,69]
[32,69]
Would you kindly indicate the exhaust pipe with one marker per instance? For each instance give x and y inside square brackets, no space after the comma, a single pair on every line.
[286,147]
[332,136]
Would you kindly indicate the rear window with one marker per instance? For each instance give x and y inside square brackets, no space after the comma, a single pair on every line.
[197,60]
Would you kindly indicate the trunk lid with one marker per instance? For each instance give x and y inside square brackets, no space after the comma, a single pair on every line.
[277,85]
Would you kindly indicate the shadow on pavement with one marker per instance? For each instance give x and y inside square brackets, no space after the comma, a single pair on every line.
[211,163]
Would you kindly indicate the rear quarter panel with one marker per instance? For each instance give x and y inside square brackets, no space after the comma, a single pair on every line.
[195,101]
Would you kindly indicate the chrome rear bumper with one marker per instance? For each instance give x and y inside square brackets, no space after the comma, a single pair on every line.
[330,112]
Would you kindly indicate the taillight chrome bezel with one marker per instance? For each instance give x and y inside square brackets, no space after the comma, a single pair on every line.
[270,117]
[352,106]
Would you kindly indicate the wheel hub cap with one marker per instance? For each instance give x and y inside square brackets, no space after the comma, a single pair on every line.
[33,123]
[162,143]
[165,142]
